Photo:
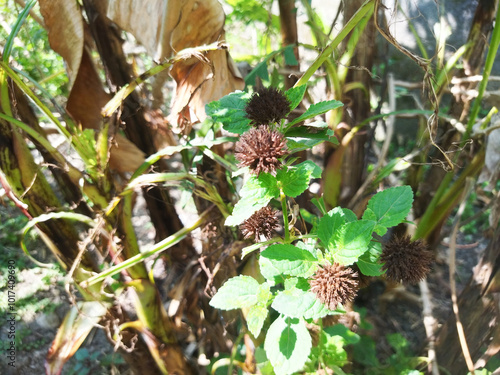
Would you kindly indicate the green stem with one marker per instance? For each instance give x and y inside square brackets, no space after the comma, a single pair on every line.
[356,18]
[490,59]
[157,248]
[285,215]
[19,82]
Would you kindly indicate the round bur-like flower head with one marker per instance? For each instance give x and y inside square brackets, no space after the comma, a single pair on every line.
[334,285]
[406,261]
[261,223]
[267,105]
[260,149]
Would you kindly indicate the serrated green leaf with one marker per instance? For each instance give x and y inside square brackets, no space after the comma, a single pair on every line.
[255,194]
[317,109]
[290,260]
[332,221]
[334,346]
[264,294]
[295,180]
[287,345]
[230,111]
[255,318]
[350,241]
[295,95]
[269,271]
[298,303]
[370,215]
[368,263]
[391,206]
[238,292]
[380,230]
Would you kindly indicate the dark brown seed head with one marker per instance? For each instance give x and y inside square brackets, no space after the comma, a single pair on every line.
[263,222]
[267,105]
[260,149]
[405,261]
[334,285]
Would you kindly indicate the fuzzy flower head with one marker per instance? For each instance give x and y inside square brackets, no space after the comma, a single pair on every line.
[260,149]
[406,261]
[334,285]
[267,105]
[261,223]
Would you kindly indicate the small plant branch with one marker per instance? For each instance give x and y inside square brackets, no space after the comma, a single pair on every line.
[19,82]
[285,216]
[125,91]
[430,325]
[385,147]
[156,249]
[355,20]
[453,287]
[490,59]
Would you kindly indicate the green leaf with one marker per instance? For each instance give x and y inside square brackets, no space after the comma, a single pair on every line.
[264,294]
[341,330]
[366,353]
[238,292]
[390,206]
[350,241]
[332,348]
[332,221]
[298,303]
[290,260]
[287,345]
[289,55]
[295,95]
[269,271]
[295,180]
[317,109]
[299,138]
[255,318]
[368,262]
[319,203]
[89,145]
[255,194]
[230,111]
[259,71]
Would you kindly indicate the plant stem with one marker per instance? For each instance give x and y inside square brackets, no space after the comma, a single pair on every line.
[356,18]
[490,59]
[285,215]
[157,248]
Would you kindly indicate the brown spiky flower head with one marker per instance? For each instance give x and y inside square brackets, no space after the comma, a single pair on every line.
[261,223]
[260,149]
[406,261]
[267,105]
[334,284]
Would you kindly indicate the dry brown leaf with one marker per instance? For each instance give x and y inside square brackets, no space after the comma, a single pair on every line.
[87,97]
[64,23]
[85,103]
[197,83]
[182,24]
[152,28]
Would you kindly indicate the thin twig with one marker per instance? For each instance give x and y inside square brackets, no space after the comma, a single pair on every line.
[385,147]
[432,122]
[430,325]
[453,287]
